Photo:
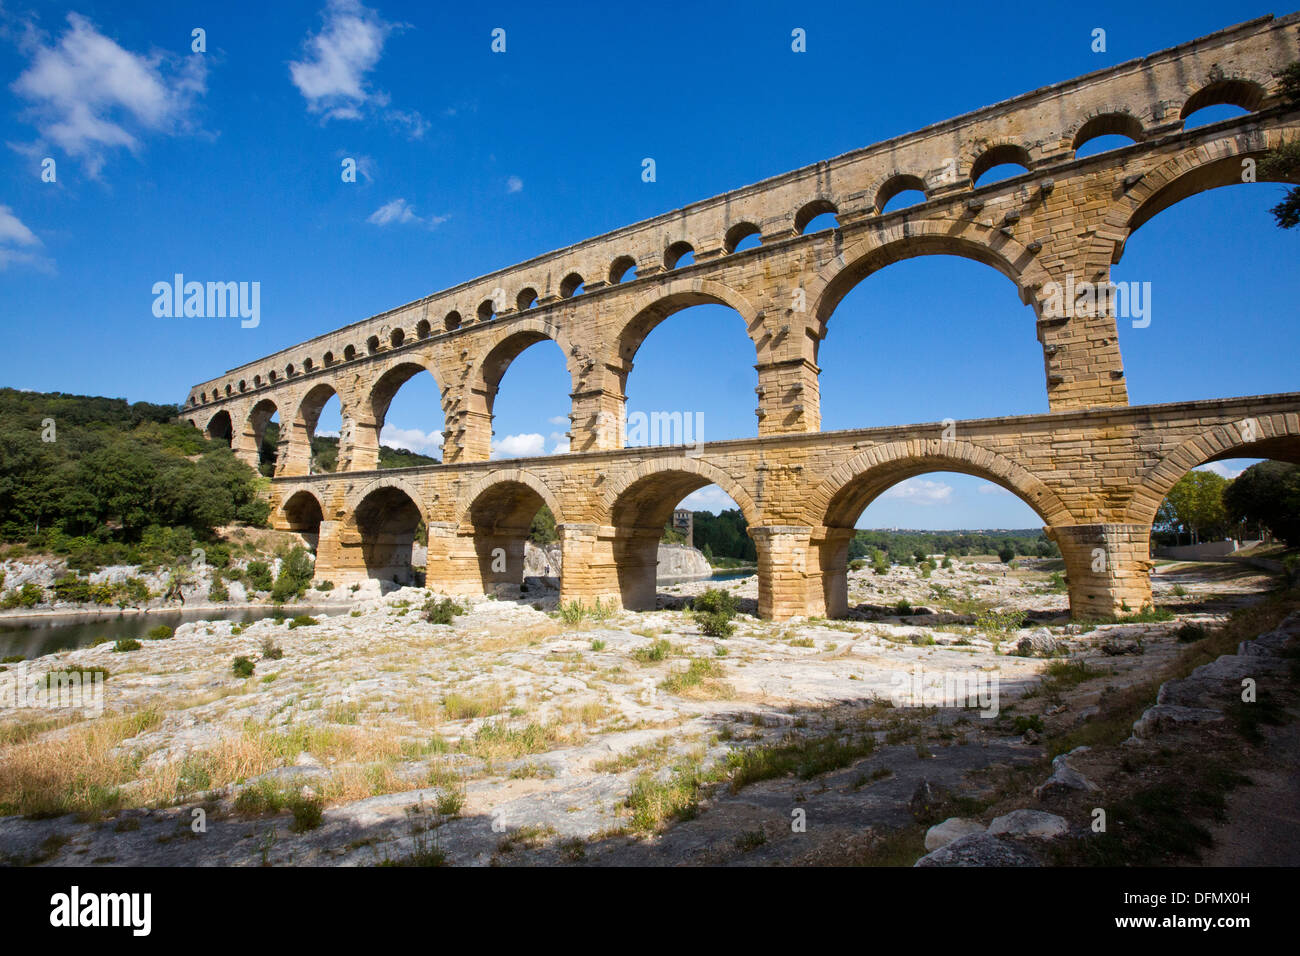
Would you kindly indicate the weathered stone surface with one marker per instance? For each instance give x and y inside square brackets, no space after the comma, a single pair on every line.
[954,828]
[1035,824]
[1064,778]
[979,849]
[1165,716]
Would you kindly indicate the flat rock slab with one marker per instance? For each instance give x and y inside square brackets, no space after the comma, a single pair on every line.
[979,849]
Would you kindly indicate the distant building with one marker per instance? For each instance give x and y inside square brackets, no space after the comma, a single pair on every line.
[684,521]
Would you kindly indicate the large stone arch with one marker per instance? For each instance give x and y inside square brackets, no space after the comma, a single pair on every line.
[636,506]
[220,426]
[509,341]
[364,414]
[381,518]
[835,502]
[361,492]
[1266,436]
[306,407]
[654,305]
[709,474]
[518,476]
[909,238]
[1196,169]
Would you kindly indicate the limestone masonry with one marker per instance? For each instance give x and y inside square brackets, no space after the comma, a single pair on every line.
[1094,468]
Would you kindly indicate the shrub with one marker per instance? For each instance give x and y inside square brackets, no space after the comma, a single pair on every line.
[218,591]
[1006,554]
[655,651]
[325,586]
[994,621]
[29,595]
[242,667]
[303,620]
[715,624]
[126,644]
[857,564]
[572,612]
[441,612]
[295,575]
[715,601]
[160,633]
[307,812]
[258,576]
[271,652]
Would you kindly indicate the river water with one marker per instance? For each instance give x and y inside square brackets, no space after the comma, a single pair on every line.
[32,638]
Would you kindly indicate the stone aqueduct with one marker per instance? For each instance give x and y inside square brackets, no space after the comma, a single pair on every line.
[1094,468]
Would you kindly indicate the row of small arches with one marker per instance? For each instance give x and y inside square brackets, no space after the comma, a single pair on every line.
[1244,94]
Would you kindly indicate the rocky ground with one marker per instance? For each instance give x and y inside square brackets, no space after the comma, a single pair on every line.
[511,735]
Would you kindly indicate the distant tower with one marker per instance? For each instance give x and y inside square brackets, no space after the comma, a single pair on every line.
[684,522]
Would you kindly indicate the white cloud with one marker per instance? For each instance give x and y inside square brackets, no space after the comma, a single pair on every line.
[18,243]
[332,74]
[519,446]
[561,445]
[709,498]
[1221,468]
[400,211]
[412,439]
[921,491]
[514,185]
[88,95]
[558,420]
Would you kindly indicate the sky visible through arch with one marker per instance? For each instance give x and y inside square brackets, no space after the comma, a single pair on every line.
[225,166]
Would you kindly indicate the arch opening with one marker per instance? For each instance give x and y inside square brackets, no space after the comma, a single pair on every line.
[1219,100]
[531,416]
[900,191]
[314,444]
[452,321]
[262,434]
[1106,132]
[679,254]
[303,515]
[622,269]
[571,285]
[407,417]
[526,299]
[816,216]
[999,162]
[502,519]
[742,236]
[690,380]
[649,527]
[389,524]
[220,428]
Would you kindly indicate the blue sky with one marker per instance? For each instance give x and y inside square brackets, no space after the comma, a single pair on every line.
[225,165]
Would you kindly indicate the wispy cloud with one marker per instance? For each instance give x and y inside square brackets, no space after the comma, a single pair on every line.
[87,95]
[333,74]
[400,212]
[412,439]
[519,446]
[514,184]
[921,491]
[709,498]
[18,244]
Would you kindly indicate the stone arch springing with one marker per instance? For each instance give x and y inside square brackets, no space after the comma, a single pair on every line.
[640,501]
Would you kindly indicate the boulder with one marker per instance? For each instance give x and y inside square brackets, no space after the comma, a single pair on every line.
[1029,823]
[1163,717]
[978,849]
[954,828]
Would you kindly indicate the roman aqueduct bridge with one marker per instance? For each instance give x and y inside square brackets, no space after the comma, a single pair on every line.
[1094,468]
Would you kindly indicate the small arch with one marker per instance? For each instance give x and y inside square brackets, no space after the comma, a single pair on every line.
[1107,124]
[452,322]
[349,353]
[423,329]
[526,299]
[328,359]
[1245,94]
[220,427]
[815,210]
[396,338]
[676,252]
[303,513]
[571,285]
[897,185]
[257,381]
[622,269]
[203,397]
[289,370]
[272,375]
[229,389]
[372,344]
[308,365]
[738,234]
[487,310]
[1004,154]
[243,385]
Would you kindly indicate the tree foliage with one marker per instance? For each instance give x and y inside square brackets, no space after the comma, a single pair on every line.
[1268,493]
[1195,506]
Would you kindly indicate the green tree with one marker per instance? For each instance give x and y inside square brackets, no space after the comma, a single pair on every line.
[543,530]
[1268,493]
[1195,505]
[1283,163]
